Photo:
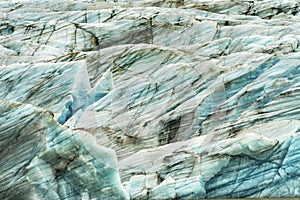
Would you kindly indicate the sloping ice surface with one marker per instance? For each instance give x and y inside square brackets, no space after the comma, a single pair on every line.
[149,99]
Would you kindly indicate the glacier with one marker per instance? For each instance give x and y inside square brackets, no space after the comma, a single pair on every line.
[149,99]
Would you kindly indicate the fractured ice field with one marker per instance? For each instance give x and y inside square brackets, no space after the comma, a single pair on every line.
[149,99]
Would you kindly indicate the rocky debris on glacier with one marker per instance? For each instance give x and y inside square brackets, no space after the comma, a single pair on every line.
[155,99]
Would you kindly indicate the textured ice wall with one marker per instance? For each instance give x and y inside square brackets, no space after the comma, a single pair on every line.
[149,99]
